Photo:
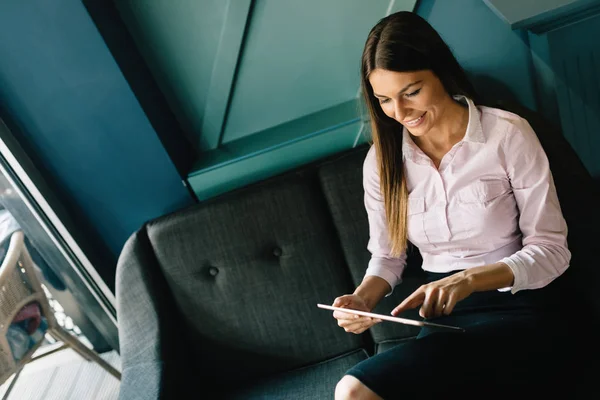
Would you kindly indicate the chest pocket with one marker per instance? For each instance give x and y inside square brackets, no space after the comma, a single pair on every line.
[481,192]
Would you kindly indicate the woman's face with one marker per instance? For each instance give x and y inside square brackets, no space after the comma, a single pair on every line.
[416,99]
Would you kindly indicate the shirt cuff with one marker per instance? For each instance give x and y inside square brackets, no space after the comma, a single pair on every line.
[520,278]
[378,267]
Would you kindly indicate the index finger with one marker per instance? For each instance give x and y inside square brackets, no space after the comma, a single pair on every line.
[412,301]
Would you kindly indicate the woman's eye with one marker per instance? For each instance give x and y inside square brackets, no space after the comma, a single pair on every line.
[416,92]
[383,101]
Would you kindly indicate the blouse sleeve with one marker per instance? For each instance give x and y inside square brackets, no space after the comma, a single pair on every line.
[381,263]
[544,255]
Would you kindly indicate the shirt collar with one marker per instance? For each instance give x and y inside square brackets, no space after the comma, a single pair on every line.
[473,134]
[474,131]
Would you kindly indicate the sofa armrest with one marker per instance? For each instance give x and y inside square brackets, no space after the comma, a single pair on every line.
[147,319]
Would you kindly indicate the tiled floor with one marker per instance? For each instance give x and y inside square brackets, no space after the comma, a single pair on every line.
[65,376]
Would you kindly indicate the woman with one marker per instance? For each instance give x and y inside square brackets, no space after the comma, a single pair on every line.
[470,186]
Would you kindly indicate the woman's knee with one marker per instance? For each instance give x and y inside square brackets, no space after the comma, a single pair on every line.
[350,388]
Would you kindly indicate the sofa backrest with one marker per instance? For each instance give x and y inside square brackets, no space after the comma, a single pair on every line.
[247,270]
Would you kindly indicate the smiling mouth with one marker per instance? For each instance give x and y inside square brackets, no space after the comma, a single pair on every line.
[415,121]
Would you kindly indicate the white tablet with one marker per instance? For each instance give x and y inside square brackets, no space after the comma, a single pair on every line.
[389,317]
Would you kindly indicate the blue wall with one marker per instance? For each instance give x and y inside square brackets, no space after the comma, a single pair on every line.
[73,111]
[484,45]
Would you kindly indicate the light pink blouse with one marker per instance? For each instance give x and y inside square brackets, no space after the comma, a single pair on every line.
[491,200]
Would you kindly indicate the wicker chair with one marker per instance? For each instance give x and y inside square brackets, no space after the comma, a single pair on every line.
[20,286]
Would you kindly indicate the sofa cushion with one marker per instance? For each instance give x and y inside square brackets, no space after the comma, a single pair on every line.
[247,271]
[341,180]
[308,383]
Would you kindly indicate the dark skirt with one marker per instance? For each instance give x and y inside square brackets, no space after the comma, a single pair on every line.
[513,345]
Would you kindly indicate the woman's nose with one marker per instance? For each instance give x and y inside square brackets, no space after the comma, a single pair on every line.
[399,111]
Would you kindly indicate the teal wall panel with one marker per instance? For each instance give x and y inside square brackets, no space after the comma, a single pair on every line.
[276,150]
[224,72]
[575,57]
[279,159]
[230,70]
[516,11]
[300,57]
[180,41]
[295,90]
[484,45]
[540,16]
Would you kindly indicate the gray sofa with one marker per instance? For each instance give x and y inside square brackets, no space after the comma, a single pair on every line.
[219,300]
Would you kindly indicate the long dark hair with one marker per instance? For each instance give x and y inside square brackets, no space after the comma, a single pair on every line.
[403,42]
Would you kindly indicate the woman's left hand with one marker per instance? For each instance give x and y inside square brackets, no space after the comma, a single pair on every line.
[439,297]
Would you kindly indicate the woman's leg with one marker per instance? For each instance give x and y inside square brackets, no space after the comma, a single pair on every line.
[490,360]
[512,344]
[350,388]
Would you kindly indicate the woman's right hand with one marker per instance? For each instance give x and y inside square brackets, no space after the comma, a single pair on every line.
[351,322]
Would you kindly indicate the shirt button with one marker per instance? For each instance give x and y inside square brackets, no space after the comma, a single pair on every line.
[213,271]
[277,252]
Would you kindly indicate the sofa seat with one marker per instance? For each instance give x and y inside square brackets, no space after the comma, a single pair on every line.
[308,383]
